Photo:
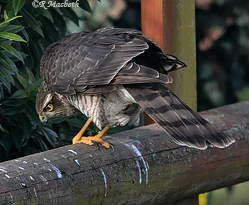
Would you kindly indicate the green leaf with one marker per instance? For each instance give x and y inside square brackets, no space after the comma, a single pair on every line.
[6,83]
[85,5]
[7,74]
[11,36]
[35,85]
[1,91]
[30,110]
[58,120]
[31,76]
[75,122]
[69,13]
[4,1]
[59,21]
[24,55]
[25,124]
[17,5]
[7,62]
[45,13]
[9,11]
[19,94]
[49,29]
[39,142]
[36,52]
[12,51]
[25,34]
[6,142]
[14,103]
[9,20]
[31,21]
[17,136]
[2,129]
[50,135]
[11,28]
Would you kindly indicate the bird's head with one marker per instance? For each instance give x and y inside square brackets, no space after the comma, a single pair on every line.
[52,105]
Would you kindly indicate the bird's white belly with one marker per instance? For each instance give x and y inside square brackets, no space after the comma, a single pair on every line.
[116,108]
[121,108]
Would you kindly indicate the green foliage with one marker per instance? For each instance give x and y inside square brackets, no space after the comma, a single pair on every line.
[243,95]
[25,32]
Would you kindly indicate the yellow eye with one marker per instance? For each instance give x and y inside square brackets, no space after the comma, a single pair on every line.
[50,107]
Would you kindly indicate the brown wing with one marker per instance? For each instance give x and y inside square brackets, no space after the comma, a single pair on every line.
[181,123]
[81,61]
[86,59]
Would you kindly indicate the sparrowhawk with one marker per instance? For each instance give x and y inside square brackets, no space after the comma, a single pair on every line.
[111,75]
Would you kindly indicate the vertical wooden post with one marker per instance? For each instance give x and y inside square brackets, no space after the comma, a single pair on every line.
[182,44]
[153,28]
[171,24]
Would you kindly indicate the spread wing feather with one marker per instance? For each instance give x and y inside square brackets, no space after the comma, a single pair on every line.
[182,124]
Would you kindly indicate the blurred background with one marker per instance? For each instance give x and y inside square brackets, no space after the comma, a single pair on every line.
[222,44]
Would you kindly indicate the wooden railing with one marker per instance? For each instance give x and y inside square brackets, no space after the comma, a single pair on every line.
[145,167]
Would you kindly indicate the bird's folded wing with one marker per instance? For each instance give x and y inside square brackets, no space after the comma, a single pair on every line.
[133,73]
[82,60]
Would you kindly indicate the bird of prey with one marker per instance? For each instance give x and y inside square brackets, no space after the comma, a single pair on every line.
[111,75]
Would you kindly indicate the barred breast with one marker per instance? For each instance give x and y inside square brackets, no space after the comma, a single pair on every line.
[91,106]
[121,108]
[116,108]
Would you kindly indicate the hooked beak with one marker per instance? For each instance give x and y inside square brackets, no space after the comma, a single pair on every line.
[43,119]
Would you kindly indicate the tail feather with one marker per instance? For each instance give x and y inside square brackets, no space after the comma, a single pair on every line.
[182,124]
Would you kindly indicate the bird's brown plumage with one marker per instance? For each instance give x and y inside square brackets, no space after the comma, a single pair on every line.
[123,68]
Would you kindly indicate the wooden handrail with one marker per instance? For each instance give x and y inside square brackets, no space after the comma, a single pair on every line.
[145,167]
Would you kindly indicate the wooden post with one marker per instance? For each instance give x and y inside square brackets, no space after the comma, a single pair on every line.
[153,28]
[181,41]
[171,24]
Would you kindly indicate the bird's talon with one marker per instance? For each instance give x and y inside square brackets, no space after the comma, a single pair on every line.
[106,144]
[91,139]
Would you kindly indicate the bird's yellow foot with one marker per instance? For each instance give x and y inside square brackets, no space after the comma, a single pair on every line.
[89,140]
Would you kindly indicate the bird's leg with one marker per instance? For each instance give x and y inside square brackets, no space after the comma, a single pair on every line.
[89,140]
[77,137]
